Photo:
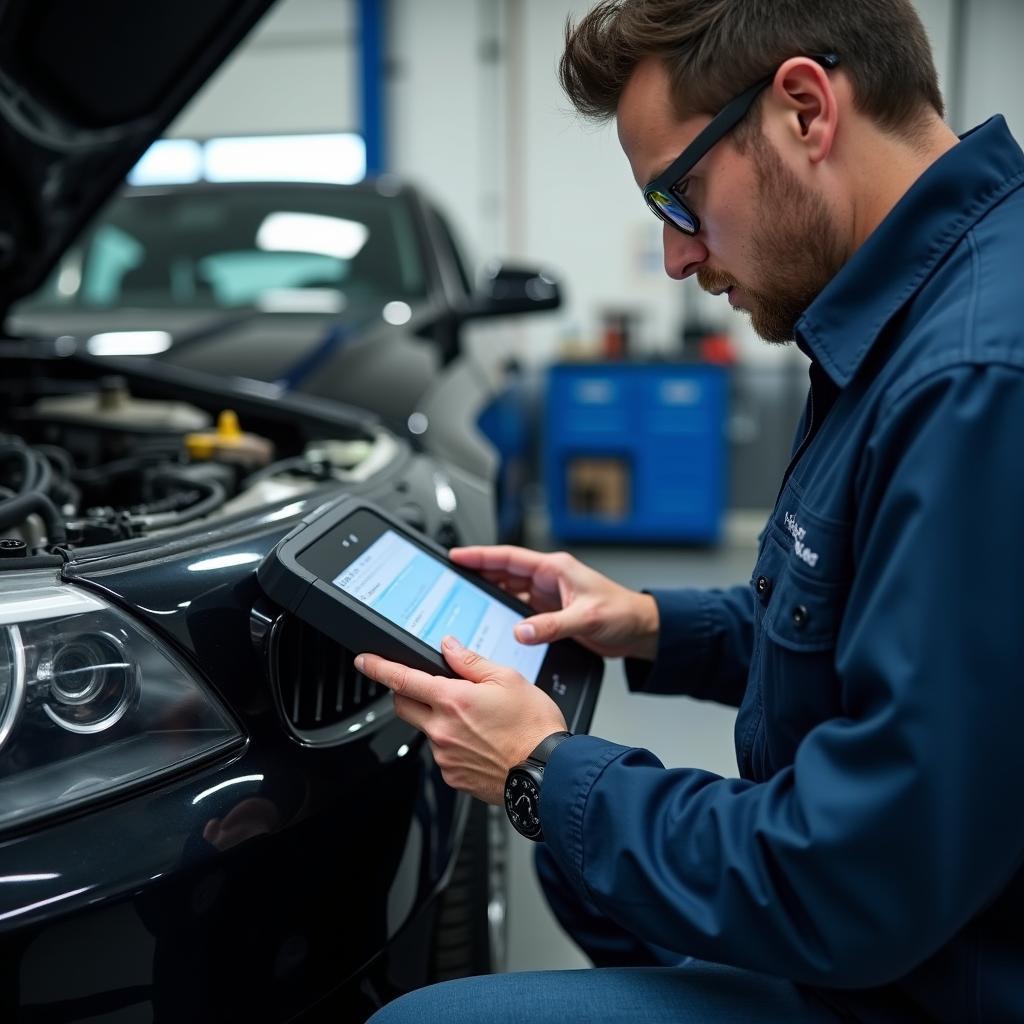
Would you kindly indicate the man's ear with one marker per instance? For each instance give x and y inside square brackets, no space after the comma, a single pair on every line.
[802,92]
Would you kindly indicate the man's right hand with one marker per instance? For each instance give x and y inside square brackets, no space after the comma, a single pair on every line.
[572,600]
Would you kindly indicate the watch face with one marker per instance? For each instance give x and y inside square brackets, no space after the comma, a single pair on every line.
[522,803]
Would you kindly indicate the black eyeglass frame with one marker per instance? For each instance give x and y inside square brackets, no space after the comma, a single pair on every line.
[720,125]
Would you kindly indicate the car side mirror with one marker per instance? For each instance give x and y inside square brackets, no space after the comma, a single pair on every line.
[508,289]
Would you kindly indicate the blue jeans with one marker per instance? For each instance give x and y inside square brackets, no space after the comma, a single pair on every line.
[634,982]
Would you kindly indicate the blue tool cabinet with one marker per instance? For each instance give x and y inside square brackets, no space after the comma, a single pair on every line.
[636,451]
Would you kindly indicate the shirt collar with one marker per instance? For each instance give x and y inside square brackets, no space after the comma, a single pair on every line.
[839,328]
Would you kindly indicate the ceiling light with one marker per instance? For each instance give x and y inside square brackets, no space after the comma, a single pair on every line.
[339,158]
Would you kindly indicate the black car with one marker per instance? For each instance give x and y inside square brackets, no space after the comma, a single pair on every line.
[205,813]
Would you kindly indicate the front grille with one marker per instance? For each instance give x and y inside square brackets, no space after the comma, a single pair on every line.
[319,686]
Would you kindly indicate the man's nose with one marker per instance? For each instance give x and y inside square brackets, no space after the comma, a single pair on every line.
[684,254]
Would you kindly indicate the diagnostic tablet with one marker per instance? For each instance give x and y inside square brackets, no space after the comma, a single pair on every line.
[375,584]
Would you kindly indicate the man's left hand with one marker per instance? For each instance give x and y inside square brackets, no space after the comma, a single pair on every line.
[479,726]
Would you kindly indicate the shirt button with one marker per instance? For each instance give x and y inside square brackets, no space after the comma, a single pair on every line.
[800,616]
[764,586]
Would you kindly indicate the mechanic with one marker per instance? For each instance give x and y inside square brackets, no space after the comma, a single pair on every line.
[867,865]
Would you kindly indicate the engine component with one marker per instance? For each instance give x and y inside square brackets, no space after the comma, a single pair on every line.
[106,425]
[174,495]
[16,509]
[229,443]
[186,505]
[344,455]
[109,480]
[113,406]
[356,459]
[329,459]
[29,487]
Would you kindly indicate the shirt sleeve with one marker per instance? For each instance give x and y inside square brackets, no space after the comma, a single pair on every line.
[898,821]
[704,644]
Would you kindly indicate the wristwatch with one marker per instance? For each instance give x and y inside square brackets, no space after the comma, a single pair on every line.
[522,788]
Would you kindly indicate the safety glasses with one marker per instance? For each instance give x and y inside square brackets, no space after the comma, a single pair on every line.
[665,194]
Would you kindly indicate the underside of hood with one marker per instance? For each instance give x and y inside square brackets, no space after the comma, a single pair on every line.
[85,87]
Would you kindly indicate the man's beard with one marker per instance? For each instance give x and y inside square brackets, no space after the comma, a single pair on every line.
[795,250]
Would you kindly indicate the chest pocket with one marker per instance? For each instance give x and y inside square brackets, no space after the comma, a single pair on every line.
[800,587]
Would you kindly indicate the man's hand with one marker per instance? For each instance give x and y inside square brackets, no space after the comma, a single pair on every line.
[478,726]
[573,600]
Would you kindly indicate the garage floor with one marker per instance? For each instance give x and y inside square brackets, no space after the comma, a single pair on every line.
[679,730]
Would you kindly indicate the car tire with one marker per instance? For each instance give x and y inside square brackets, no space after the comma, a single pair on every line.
[469,930]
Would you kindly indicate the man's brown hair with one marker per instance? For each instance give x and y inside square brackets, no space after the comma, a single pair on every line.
[713,49]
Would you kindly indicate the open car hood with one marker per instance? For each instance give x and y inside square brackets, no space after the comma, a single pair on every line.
[85,87]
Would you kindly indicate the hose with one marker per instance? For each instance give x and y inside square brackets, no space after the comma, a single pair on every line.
[99,475]
[296,464]
[216,495]
[16,510]
[15,452]
[31,497]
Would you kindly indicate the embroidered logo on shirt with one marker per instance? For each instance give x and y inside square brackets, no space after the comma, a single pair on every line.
[798,532]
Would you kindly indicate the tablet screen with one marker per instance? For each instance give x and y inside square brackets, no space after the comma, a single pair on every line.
[421,595]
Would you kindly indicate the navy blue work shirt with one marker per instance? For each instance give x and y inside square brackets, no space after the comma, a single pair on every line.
[873,847]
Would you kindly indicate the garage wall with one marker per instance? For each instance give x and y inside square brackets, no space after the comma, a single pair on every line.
[606,237]
[939,17]
[445,109]
[295,73]
[993,79]
[486,127]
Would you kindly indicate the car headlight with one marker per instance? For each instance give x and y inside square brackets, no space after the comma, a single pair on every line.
[90,703]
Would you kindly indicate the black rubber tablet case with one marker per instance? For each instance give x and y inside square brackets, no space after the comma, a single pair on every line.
[358,628]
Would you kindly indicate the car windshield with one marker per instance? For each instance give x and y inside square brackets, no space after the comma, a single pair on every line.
[278,248]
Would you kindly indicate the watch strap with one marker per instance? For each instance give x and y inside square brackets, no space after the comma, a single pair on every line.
[546,747]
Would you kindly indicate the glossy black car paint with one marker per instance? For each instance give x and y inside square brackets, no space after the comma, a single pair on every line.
[259,884]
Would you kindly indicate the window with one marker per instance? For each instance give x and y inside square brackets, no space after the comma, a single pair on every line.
[235,246]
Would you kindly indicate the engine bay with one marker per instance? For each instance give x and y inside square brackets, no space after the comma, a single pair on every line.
[89,461]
